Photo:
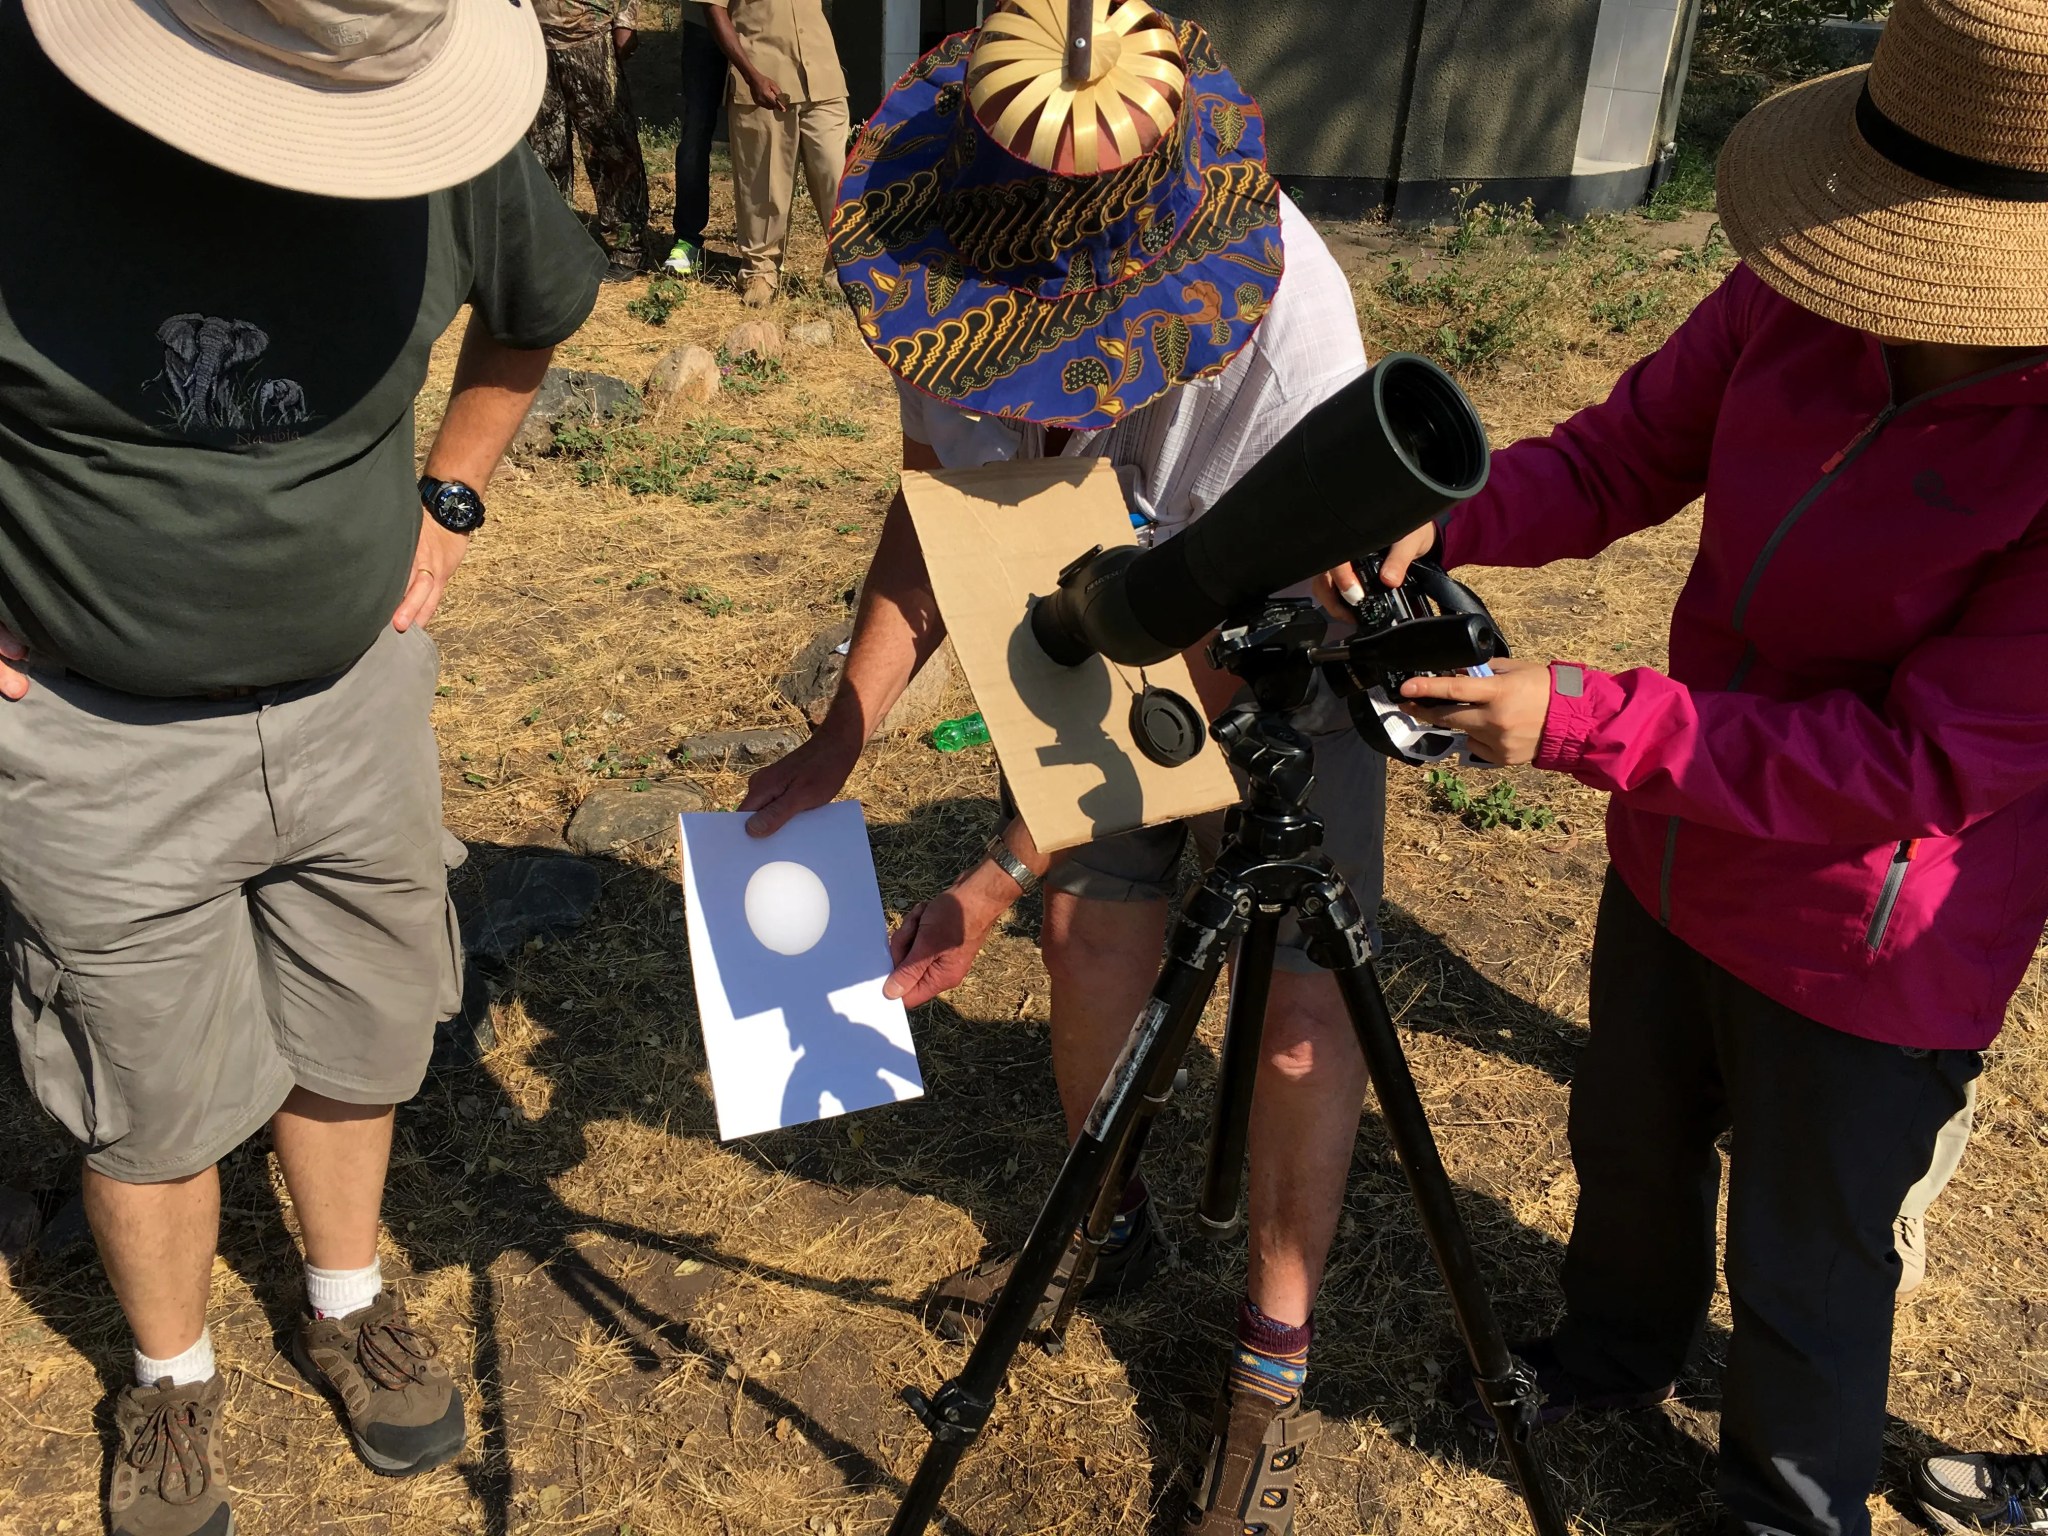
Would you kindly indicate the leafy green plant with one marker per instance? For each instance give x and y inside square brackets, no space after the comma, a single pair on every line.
[1625,311]
[713,603]
[817,424]
[664,296]
[1498,805]
[748,374]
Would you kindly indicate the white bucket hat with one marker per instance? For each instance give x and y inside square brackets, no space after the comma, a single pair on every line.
[341,98]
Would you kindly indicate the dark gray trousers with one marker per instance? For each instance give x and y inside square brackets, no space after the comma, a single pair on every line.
[1829,1131]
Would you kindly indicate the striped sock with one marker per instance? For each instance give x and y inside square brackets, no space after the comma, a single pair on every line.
[1271,1359]
[1129,1217]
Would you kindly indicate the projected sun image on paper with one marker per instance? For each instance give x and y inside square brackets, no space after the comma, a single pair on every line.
[789,949]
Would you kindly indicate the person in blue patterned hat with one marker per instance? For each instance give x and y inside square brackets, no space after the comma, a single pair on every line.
[1107,269]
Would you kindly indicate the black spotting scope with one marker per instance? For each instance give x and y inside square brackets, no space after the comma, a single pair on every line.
[1375,461]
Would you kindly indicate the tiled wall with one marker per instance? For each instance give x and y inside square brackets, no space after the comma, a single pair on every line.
[1632,45]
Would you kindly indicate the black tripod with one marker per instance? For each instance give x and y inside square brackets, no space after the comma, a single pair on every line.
[1269,866]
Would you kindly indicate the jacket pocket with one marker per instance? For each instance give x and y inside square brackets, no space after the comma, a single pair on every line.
[59,1057]
[1888,894]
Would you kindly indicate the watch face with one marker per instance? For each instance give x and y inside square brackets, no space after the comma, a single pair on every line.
[457,508]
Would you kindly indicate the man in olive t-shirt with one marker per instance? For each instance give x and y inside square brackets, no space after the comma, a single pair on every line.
[220,833]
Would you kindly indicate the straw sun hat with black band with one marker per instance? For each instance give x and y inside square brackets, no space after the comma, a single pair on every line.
[1909,199]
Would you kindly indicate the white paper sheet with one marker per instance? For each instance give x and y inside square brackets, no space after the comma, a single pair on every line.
[789,949]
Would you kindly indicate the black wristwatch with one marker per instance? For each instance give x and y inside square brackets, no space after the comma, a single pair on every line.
[452,504]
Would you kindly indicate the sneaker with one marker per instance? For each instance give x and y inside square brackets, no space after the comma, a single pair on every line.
[397,1400]
[760,293]
[960,1301]
[169,1478]
[1984,1492]
[1247,1484]
[1909,1237]
[685,259]
[1563,1395]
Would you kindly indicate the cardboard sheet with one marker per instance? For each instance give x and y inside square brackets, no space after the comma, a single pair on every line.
[993,538]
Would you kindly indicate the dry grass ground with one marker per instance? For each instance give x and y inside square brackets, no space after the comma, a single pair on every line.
[660,1334]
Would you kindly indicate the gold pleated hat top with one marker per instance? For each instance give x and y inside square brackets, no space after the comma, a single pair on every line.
[1072,104]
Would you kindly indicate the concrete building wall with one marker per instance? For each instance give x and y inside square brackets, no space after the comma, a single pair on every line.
[1330,75]
[1401,105]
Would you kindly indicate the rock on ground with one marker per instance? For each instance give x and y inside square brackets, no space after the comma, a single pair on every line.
[617,814]
[538,896]
[684,375]
[812,333]
[754,338]
[738,749]
[572,398]
[813,677]
[20,1219]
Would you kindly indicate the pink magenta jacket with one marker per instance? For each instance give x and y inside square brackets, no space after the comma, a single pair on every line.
[1840,792]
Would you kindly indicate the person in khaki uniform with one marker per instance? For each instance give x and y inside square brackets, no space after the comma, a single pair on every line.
[788,103]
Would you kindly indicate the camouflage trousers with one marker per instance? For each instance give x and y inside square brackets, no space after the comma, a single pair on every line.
[587,102]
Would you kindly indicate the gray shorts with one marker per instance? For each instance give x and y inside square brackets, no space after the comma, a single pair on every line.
[1350,794]
[211,902]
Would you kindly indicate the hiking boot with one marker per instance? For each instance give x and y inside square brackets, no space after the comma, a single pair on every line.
[1969,1493]
[959,1302]
[624,263]
[1909,1237]
[685,259]
[1255,1449]
[1563,1394]
[759,294]
[169,1477]
[397,1400]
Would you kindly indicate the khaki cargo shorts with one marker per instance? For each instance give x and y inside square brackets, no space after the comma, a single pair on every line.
[211,902]
[1350,794]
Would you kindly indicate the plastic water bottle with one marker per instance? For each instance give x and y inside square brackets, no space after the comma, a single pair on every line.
[958,735]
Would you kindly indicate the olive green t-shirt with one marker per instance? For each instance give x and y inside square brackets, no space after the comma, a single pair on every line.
[206,388]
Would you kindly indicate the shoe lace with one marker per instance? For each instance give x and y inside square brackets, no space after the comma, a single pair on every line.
[2019,1480]
[169,1450]
[392,1352]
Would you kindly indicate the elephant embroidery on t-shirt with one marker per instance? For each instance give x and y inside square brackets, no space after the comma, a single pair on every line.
[210,384]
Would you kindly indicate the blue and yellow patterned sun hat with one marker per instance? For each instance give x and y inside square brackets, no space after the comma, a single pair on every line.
[988,268]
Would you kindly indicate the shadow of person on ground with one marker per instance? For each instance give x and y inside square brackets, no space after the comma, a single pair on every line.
[472,1187]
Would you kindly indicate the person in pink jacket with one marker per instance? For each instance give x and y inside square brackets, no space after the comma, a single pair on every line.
[1827,818]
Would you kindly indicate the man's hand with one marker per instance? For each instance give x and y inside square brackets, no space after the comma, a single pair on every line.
[1394,569]
[766,92]
[13,680]
[934,946]
[433,563]
[807,778]
[624,41]
[1503,714]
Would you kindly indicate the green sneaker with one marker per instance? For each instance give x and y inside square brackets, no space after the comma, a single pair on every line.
[685,259]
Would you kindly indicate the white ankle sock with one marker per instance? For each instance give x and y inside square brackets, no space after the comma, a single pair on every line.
[338,1292]
[192,1367]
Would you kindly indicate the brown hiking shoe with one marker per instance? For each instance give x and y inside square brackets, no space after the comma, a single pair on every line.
[169,1478]
[959,1302]
[1255,1449]
[397,1400]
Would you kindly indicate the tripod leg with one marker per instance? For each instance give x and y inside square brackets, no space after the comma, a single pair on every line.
[1505,1384]
[1251,983]
[1143,1075]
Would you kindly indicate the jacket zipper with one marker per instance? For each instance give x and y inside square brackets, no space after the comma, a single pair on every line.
[1830,472]
[1888,893]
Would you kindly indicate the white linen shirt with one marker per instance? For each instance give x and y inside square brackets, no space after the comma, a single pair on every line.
[1176,456]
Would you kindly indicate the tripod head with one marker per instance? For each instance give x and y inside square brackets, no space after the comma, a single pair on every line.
[1430,623]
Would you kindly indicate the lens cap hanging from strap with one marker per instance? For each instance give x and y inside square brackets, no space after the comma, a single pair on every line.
[1166,727]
